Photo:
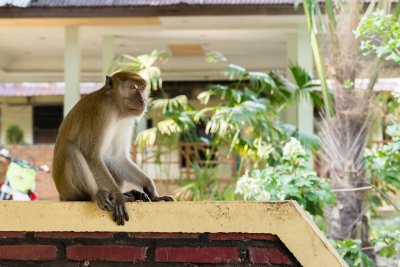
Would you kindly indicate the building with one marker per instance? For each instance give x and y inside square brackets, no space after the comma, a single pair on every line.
[54,51]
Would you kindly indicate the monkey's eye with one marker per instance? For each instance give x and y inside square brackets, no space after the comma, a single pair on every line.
[134,86]
[142,87]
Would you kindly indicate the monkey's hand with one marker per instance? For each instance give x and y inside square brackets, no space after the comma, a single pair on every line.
[135,195]
[120,214]
[104,200]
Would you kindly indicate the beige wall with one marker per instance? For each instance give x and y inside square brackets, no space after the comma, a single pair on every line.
[19,110]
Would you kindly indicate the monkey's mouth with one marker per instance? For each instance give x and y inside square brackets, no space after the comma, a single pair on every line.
[136,111]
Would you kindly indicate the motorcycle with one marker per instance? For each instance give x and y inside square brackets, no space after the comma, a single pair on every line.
[20,178]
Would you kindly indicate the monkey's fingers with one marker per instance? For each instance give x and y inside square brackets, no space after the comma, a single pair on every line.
[121,220]
[125,212]
[112,199]
[108,206]
[116,215]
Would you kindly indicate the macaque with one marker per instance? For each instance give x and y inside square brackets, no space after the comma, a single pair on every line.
[92,152]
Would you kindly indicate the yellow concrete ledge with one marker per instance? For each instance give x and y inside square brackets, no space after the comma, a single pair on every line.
[286,219]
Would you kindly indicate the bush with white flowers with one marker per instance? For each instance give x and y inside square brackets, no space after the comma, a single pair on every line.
[289,180]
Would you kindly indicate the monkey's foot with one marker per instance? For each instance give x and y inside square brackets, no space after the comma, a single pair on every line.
[165,198]
[104,200]
[135,195]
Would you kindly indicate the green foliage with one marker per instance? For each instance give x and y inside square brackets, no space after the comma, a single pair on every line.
[14,134]
[205,186]
[374,29]
[348,84]
[304,85]
[247,117]
[290,180]
[385,164]
[143,65]
[314,11]
[350,252]
[245,122]
[390,241]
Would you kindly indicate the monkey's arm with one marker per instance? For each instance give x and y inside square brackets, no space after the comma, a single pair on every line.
[131,173]
[107,185]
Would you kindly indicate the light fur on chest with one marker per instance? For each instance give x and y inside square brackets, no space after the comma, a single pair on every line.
[117,140]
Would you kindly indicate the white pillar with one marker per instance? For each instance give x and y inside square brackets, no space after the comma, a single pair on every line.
[299,51]
[305,60]
[72,68]
[290,114]
[108,54]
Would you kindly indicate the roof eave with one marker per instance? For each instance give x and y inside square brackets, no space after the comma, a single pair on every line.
[148,11]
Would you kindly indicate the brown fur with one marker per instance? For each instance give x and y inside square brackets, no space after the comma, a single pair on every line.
[91,155]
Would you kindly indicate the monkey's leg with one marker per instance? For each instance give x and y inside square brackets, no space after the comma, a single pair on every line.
[75,181]
[105,181]
[133,174]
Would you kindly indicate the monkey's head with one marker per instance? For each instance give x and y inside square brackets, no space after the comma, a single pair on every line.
[129,92]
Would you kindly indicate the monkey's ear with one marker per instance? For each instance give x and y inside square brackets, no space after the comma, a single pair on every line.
[109,83]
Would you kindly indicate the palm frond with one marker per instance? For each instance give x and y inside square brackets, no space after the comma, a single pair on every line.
[305,84]
[262,80]
[147,137]
[177,103]
[226,120]
[214,57]
[143,65]
[168,127]
[234,72]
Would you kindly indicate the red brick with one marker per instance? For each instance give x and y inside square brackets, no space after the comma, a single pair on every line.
[198,255]
[164,235]
[27,252]
[226,236]
[261,237]
[241,236]
[106,253]
[75,234]
[12,234]
[268,255]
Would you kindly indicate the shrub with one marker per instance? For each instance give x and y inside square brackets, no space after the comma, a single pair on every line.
[14,134]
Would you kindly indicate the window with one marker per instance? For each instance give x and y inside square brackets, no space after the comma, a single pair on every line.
[46,123]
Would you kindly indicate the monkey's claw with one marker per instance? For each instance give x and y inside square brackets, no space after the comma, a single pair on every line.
[135,195]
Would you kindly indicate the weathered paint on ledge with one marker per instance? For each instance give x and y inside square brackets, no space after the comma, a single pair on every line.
[286,219]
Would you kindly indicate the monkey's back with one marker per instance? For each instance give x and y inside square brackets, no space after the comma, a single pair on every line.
[81,129]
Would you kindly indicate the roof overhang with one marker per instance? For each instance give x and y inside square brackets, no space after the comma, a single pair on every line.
[147,11]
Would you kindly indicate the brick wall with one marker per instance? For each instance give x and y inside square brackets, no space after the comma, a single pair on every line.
[144,249]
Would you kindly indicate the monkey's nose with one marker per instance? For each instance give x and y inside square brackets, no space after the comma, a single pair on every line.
[141,102]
